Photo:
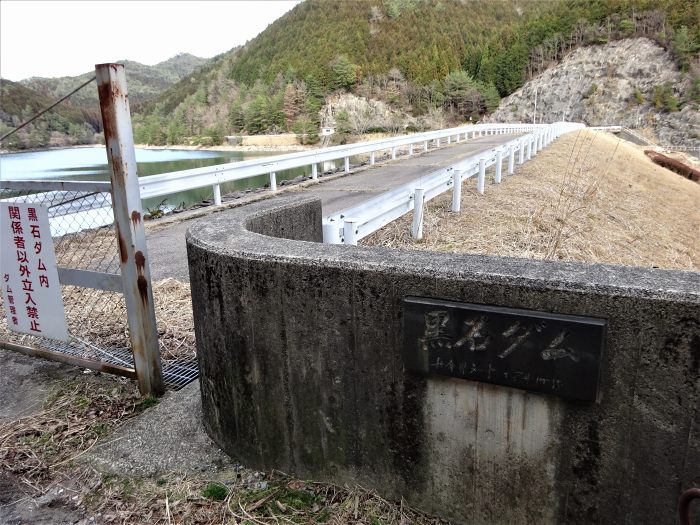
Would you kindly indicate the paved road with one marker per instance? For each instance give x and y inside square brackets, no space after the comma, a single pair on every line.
[166,247]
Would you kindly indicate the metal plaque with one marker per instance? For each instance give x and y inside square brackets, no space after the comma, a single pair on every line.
[535,351]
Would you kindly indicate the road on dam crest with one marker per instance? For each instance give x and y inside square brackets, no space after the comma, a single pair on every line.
[166,246]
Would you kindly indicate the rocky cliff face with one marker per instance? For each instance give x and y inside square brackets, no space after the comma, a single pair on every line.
[611,84]
[362,114]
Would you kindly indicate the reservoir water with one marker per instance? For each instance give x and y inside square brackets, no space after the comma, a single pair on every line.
[91,164]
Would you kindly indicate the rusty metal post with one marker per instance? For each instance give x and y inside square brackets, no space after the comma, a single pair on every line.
[126,203]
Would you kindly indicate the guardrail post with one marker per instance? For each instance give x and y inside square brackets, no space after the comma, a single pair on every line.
[393,153]
[350,232]
[449,140]
[481,181]
[314,171]
[126,204]
[418,202]
[331,233]
[347,164]
[425,145]
[499,161]
[273,181]
[456,190]
[437,143]
[410,150]
[217,195]
[529,148]
[534,145]
[511,160]
[521,152]
[371,159]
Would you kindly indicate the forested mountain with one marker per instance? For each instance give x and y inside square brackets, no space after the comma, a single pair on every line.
[145,82]
[76,120]
[457,58]
[66,121]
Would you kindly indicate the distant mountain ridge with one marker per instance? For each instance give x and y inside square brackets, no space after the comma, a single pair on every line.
[77,120]
[144,82]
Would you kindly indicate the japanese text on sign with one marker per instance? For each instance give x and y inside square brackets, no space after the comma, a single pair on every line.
[537,351]
[30,287]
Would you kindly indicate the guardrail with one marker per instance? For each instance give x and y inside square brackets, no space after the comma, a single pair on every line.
[352,224]
[173,182]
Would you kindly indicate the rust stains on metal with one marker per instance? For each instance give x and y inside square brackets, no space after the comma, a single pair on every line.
[135,217]
[82,362]
[140,261]
[143,288]
[123,252]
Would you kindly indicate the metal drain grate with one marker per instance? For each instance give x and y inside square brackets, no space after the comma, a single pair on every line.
[176,374]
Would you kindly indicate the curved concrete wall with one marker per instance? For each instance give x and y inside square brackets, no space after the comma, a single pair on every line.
[300,356]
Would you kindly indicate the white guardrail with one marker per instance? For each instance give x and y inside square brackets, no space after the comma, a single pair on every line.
[178,181]
[352,224]
[167,183]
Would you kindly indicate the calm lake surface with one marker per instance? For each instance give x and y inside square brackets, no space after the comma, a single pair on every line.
[91,164]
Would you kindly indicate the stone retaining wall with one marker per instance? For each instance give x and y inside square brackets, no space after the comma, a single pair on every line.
[300,348]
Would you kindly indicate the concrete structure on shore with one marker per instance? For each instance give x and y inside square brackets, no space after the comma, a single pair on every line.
[303,358]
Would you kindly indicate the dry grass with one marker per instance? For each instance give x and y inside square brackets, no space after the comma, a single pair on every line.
[263,499]
[588,197]
[98,319]
[39,453]
[39,449]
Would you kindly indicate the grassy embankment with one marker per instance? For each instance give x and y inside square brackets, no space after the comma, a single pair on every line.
[588,197]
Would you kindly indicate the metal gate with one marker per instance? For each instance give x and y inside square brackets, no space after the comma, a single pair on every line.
[100,245]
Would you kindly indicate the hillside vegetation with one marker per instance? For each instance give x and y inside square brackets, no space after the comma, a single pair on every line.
[76,120]
[421,57]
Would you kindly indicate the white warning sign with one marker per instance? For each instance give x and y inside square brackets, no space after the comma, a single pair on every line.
[30,287]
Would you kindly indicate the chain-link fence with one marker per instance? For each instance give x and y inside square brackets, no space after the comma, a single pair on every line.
[84,238]
[100,266]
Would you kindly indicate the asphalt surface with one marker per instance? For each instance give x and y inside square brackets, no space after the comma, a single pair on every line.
[166,246]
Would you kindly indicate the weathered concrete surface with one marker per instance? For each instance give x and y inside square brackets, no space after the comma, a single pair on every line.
[301,370]
[166,247]
[167,438]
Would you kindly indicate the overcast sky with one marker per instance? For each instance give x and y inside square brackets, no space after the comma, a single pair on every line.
[59,38]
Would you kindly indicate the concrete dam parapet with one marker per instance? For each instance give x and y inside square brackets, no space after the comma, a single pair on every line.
[485,390]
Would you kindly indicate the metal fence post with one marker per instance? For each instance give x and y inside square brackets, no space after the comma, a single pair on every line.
[481,181]
[418,201]
[349,233]
[456,190]
[511,160]
[499,166]
[126,203]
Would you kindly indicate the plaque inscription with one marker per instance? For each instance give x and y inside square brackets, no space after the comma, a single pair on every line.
[536,351]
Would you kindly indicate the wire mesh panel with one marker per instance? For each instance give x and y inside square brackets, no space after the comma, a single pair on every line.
[84,238]
[98,267]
